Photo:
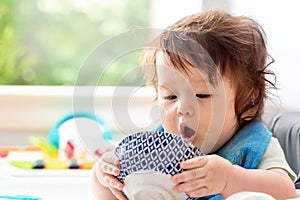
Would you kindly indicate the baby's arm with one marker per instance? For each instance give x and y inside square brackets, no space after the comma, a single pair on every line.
[275,182]
[213,174]
[105,185]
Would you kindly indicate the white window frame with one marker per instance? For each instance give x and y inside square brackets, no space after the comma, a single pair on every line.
[34,110]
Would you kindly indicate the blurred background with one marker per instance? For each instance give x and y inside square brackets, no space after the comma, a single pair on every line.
[44,42]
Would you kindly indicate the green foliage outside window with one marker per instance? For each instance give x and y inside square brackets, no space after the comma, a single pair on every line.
[44,42]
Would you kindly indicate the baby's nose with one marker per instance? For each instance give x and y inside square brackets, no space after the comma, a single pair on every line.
[185,108]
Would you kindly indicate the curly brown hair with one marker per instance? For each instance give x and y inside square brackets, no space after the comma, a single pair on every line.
[218,42]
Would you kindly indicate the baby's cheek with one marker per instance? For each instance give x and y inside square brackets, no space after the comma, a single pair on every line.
[168,117]
[170,124]
[165,111]
[162,113]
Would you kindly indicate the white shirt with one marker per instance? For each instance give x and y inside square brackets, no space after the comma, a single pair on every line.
[274,158]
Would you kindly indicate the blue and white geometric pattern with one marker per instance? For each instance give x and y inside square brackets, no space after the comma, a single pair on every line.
[154,150]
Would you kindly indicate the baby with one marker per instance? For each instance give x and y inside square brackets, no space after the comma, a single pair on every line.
[209,71]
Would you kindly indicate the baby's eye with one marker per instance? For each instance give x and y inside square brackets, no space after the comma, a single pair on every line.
[203,96]
[170,97]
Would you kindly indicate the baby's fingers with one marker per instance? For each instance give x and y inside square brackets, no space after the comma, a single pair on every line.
[115,186]
[110,157]
[109,164]
[113,182]
[194,162]
[189,175]
[192,169]
[191,187]
[119,194]
[110,169]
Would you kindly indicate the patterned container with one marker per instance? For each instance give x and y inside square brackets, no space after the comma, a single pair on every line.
[154,151]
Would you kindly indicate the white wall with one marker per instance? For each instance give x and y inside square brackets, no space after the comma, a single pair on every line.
[280,20]
[166,12]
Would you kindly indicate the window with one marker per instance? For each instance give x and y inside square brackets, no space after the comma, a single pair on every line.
[45,42]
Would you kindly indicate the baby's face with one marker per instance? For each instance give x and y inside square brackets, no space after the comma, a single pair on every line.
[192,108]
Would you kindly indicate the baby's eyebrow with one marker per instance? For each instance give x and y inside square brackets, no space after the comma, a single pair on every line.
[163,86]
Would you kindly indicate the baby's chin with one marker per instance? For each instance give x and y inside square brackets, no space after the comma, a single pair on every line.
[208,148]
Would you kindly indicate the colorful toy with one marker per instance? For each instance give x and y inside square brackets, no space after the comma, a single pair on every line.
[78,133]
[74,143]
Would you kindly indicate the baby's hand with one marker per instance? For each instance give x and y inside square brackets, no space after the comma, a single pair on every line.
[106,170]
[203,176]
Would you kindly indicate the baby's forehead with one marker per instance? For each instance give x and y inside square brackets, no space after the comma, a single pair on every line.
[206,68]
[174,80]
[165,68]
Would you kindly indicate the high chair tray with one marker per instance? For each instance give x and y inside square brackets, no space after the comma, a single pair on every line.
[15,171]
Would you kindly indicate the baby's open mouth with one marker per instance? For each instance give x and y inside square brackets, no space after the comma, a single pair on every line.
[187,132]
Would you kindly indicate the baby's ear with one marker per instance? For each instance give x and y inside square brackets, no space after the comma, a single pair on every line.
[254,95]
